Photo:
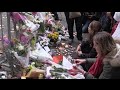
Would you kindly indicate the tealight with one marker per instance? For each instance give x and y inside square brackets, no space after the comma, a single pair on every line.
[71,51]
[63,44]
[23,77]
[65,50]
[66,46]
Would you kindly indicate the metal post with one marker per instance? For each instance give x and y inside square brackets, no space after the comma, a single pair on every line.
[9,29]
[9,37]
[2,31]
[14,23]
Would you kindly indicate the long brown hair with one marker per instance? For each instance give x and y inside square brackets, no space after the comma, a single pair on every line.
[105,42]
[96,27]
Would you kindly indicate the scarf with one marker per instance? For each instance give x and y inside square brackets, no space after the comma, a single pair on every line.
[97,67]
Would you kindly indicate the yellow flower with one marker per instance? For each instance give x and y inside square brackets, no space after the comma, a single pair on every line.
[56,33]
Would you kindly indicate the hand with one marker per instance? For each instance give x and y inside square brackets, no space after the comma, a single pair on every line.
[78,69]
[78,48]
[73,72]
[79,61]
[81,70]
[79,53]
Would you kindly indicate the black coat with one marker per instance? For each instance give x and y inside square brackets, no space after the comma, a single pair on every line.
[87,50]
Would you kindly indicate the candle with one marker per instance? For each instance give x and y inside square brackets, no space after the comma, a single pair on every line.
[23,77]
[63,52]
[66,46]
[68,50]
[71,51]
[63,44]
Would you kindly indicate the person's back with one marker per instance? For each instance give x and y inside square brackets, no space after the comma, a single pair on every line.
[106,21]
[111,65]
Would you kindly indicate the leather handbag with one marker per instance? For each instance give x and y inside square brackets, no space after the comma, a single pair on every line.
[74,14]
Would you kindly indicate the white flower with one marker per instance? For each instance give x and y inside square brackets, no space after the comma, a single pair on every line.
[33,63]
[37,21]
[17,27]
[20,47]
[24,27]
[3,77]
[41,20]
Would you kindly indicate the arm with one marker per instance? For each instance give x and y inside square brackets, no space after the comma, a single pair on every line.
[78,48]
[92,54]
[90,60]
[89,76]
[86,74]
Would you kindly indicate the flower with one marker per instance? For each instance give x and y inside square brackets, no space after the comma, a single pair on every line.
[24,27]
[20,47]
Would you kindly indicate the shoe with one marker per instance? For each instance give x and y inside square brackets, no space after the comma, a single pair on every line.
[70,41]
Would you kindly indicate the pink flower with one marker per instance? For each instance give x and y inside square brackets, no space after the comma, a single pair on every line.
[16,16]
[24,39]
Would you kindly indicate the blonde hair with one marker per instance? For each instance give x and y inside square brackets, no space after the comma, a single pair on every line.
[105,42]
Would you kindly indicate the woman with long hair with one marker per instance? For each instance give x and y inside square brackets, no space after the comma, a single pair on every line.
[107,64]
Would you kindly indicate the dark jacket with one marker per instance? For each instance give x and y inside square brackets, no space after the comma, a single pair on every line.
[106,22]
[95,15]
[87,50]
[111,66]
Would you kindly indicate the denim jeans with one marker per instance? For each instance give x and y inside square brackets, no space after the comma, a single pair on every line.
[85,27]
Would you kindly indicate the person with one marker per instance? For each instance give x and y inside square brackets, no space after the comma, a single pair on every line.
[88,18]
[55,15]
[107,21]
[70,23]
[85,49]
[107,64]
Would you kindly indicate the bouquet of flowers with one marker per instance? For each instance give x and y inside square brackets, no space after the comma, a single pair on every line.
[58,26]
[53,36]
[19,48]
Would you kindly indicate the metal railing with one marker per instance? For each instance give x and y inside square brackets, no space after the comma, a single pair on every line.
[9,26]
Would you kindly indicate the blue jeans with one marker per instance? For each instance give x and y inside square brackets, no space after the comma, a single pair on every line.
[85,27]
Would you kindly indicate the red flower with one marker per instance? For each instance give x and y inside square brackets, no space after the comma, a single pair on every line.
[29,30]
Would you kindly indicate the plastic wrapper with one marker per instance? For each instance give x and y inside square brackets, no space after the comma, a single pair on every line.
[40,54]
[116,34]
[117,16]
[33,27]
[24,61]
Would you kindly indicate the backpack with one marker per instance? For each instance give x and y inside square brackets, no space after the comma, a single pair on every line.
[106,23]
